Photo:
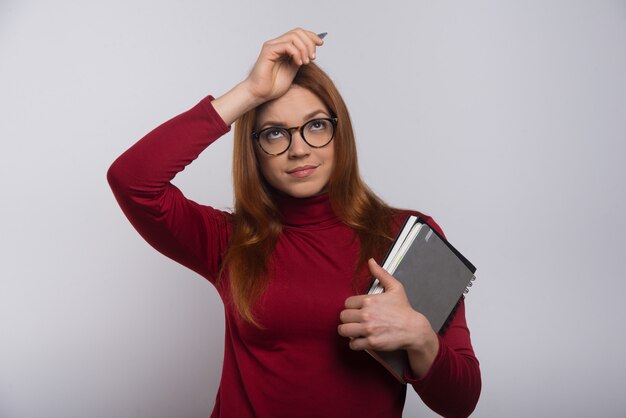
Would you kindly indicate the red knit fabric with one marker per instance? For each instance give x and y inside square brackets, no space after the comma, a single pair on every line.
[297,365]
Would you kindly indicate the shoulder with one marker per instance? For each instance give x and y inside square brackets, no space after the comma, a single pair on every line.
[401,214]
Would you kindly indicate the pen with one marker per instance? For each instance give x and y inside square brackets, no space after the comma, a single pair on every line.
[322,35]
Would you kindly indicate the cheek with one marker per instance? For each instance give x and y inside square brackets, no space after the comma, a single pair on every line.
[330,154]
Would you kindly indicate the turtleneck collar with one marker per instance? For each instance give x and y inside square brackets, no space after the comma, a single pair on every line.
[308,211]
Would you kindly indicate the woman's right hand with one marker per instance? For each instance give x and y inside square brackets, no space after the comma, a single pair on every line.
[279,61]
[272,74]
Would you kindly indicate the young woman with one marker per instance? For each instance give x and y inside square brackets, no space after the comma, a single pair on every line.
[292,262]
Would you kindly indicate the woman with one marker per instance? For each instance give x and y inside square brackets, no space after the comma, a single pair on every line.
[292,261]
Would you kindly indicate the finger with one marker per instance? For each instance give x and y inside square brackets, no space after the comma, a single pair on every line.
[358,344]
[316,39]
[387,281]
[310,39]
[301,43]
[291,35]
[357,302]
[295,53]
[306,33]
[308,42]
[352,330]
[284,50]
[352,315]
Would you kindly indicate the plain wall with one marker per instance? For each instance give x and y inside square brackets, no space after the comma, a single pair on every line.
[503,120]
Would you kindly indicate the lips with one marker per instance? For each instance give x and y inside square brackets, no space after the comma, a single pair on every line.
[302,171]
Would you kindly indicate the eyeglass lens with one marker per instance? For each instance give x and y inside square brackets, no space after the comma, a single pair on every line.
[316,133]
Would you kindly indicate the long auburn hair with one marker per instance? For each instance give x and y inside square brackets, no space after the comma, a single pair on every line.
[256,225]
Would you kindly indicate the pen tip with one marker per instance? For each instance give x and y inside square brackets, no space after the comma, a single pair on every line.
[322,35]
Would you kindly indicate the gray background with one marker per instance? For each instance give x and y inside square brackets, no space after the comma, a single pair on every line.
[504,120]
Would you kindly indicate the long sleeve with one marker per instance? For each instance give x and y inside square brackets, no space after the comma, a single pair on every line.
[452,385]
[191,234]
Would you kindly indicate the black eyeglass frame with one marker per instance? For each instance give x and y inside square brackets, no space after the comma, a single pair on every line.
[300,129]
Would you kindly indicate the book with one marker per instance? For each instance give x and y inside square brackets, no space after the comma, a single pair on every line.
[435,277]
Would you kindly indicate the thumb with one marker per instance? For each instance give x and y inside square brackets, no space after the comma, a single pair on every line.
[387,281]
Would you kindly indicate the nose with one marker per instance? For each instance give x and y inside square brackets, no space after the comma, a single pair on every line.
[299,148]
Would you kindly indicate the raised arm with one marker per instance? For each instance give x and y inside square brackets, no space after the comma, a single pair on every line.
[191,234]
[140,179]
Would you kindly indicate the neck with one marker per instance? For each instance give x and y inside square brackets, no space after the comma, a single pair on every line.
[312,210]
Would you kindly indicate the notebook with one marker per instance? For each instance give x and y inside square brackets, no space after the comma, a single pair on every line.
[434,275]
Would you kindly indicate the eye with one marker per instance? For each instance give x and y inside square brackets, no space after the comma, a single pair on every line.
[318,125]
[273,134]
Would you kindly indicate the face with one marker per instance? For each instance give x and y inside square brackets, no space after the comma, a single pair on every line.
[301,171]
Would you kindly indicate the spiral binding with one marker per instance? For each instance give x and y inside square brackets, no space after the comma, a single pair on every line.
[466,291]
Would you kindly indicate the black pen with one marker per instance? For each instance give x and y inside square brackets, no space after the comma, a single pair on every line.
[322,35]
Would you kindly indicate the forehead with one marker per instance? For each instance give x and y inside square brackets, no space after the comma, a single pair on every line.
[291,108]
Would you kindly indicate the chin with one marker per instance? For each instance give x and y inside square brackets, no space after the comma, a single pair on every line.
[301,194]
[302,191]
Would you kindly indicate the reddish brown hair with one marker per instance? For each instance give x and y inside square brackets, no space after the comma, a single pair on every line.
[256,227]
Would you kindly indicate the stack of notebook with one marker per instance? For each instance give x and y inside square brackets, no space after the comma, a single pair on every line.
[434,275]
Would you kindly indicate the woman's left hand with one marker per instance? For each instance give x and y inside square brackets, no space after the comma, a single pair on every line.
[387,322]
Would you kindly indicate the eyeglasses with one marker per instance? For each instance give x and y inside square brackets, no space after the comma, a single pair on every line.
[317,133]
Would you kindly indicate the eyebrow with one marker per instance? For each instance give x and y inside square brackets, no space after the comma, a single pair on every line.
[305,118]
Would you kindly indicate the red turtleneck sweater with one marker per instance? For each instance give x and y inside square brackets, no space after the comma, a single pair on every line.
[297,365]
